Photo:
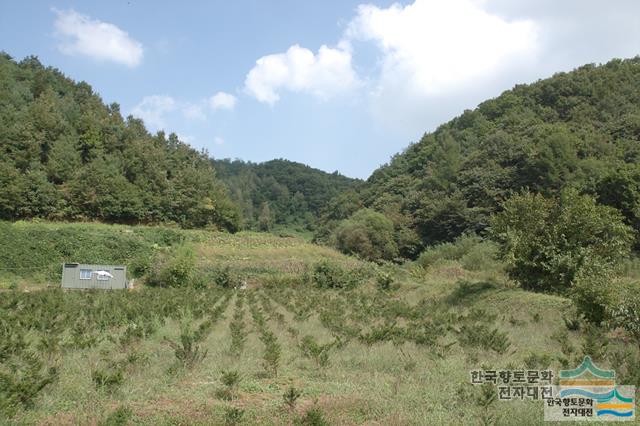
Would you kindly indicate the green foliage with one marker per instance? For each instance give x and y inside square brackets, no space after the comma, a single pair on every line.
[312,417]
[237,328]
[384,281]
[231,380]
[121,416]
[291,396]
[66,155]
[21,381]
[38,250]
[470,250]
[576,129]
[188,349]
[272,352]
[330,275]
[233,416]
[485,400]
[367,234]
[281,192]
[315,351]
[593,291]
[108,376]
[266,218]
[482,336]
[621,189]
[546,241]
[175,270]
[626,315]
[595,342]
[537,361]
[225,278]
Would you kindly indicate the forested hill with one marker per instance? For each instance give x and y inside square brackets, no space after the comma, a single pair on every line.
[64,154]
[579,129]
[280,191]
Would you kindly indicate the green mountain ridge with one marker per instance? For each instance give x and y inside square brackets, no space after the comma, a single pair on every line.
[281,191]
[578,130]
[67,156]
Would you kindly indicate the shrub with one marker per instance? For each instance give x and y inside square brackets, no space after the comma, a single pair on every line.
[291,396]
[470,250]
[319,353]
[230,379]
[174,271]
[187,350]
[368,234]
[384,281]
[233,416]
[627,315]
[313,417]
[225,278]
[119,417]
[272,352]
[592,291]
[480,335]
[537,361]
[545,241]
[595,343]
[327,274]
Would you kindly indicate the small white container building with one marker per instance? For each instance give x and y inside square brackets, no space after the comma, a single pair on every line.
[79,275]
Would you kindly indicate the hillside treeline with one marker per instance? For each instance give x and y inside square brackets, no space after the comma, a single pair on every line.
[575,131]
[64,154]
[280,191]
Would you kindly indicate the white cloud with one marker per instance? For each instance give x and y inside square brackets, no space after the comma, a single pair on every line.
[152,110]
[218,140]
[431,47]
[194,112]
[324,75]
[222,100]
[99,40]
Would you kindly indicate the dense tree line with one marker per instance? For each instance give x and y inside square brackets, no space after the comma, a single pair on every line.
[578,130]
[280,191]
[64,154]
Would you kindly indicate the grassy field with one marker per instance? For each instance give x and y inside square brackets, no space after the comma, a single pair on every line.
[395,346]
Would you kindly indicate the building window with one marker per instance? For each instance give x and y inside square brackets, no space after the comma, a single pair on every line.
[85,274]
[103,277]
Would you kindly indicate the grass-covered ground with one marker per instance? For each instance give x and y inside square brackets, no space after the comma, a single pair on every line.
[394,347]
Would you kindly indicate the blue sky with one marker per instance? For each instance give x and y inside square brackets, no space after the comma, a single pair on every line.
[339,85]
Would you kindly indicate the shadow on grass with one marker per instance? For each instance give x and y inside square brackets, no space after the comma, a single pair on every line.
[468,291]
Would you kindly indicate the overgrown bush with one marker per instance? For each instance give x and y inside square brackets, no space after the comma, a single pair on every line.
[626,315]
[176,270]
[546,241]
[224,278]
[471,251]
[592,291]
[328,274]
[368,234]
